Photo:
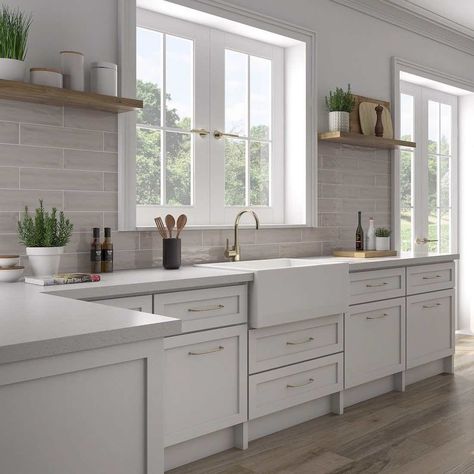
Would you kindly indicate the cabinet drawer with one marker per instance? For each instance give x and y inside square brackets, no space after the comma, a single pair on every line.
[430,327]
[376,285]
[423,278]
[137,303]
[205,309]
[289,386]
[286,344]
[205,382]
[374,339]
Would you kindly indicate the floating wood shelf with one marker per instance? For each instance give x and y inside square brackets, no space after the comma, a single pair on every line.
[25,92]
[358,139]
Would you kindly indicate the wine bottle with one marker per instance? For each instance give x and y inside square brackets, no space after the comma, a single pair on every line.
[359,233]
[107,252]
[96,251]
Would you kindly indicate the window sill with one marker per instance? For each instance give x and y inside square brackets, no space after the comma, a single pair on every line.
[231,226]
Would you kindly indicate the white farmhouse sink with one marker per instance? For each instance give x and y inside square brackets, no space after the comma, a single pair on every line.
[286,290]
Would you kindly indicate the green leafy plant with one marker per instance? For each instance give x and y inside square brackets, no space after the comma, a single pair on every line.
[45,229]
[14,28]
[340,101]
[382,232]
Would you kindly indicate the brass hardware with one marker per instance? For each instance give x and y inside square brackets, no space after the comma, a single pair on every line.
[218,135]
[432,277]
[289,343]
[217,349]
[301,384]
[376,285]
[209,308]
[424,240]
[202,132]
[381,316]
[428,306]
[233,253]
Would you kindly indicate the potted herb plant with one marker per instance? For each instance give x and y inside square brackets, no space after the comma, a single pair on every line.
[340,105]
[44,235]
[14,29]
[382,238]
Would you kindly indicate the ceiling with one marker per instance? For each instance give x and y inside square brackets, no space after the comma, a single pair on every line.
[455,14]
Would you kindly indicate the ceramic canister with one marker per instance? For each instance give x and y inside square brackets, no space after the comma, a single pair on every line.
[72,66]
[104,78]
[46,77]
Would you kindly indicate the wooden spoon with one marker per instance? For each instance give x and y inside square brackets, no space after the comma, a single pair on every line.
[161,227]
[182,220]
[170,222]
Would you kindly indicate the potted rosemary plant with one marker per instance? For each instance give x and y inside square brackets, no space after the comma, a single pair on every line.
[14,29]
[382,238]
[340,105]
[45,236]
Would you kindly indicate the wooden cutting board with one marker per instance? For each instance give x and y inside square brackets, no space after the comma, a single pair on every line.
[364,253]
[368,118]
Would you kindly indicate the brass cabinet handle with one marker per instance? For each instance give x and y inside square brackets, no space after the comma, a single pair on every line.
[431,277]
[428,306]
[202,132]
[207,308]
[381,316]
[297,343]
[218,135]
[217,349]
[301,384]
[376,285]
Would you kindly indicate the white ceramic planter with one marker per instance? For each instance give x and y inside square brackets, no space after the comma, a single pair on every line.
[12,69]
[382,243]
[44,261]
[339,121]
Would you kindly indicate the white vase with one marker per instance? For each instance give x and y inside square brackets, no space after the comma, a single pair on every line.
[339,121]
[44,261]
[12,69]
[382,243]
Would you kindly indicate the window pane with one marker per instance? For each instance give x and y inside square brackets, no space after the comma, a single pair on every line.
[260,97]
[235,171]
[148,166]
[445,231]
[406,229]
[433,127]
[236,75]
[433,225]
[179,82]
[406,200]
[407,117]
[149,75]
[178,169]
[445,129]
[432,182]
[444,182]
[259,173]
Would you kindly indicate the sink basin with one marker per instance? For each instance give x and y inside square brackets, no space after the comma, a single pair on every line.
[286,290]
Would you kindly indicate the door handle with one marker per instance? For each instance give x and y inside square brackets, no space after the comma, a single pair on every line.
[202,132]
[301,384]
[424,240]
[218,135]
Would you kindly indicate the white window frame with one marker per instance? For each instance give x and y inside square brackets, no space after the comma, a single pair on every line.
[127,54]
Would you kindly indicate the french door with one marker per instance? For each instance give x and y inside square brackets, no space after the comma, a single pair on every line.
[428,173]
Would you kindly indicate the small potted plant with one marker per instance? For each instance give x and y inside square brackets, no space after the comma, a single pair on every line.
[14,29]
[44,236]
[382,238]
[340,105]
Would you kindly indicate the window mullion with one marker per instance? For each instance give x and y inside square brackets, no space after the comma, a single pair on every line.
[247,152]
[163,124]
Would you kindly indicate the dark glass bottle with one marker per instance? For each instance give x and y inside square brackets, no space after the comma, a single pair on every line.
[96,251]
[359,233]
[107,252]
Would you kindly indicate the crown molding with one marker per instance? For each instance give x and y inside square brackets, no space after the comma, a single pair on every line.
[401,16]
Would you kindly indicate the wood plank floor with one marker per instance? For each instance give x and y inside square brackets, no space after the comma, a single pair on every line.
[427,429]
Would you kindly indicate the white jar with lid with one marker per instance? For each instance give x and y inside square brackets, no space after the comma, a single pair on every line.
[104,78]
[72,66]
[44,76]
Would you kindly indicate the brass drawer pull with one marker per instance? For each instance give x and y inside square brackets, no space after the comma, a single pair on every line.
[301,384]
[297,343]
[207,308]
[376,285]
[217,349]
[432,277]
[381,316]
[428,306]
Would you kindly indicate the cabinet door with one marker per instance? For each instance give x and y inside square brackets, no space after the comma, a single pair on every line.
[430,327]
[375,285]
[138,303]
[374,336]
[205,382]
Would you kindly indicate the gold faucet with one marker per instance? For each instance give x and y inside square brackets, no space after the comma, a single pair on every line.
[233,253]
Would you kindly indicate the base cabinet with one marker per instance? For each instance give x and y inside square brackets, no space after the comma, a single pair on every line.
[430,327]
[205,382]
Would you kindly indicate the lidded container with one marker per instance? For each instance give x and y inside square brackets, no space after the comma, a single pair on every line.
[104,78]
[72,66]
[44,76]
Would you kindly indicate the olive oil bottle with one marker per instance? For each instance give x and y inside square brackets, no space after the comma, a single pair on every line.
[107,252]
[96,251]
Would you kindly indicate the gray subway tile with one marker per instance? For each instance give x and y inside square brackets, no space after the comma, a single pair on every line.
[34,178]
[110,181]
[91,160]
[110,142]
[9,178]
[8,222]
[300,249]
[16,200]
[30,156]
[27,112]
[9,132]
[90,201]
[9,245]
[90,119]
[271,236]
[85,221]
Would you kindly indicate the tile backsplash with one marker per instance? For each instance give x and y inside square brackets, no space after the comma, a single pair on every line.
[68,157]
